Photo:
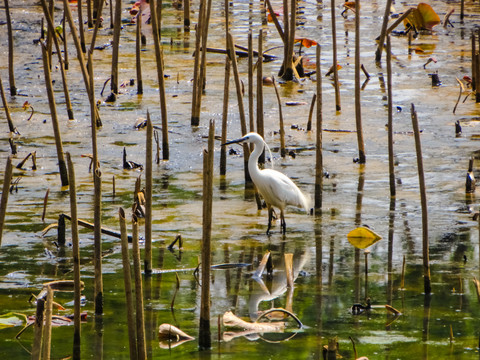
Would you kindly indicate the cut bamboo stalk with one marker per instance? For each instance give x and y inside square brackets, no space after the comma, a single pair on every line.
[391,164]
[11,71]
[127,277]
[138,44]
[47,328]
[383,33]
[195,118]
[283,150]
[203,58]
[250,83]
[7,178]
[65,42]
[318,138]
[338,106]
[89,14]
[358,107]
[260,125]
[98,14]
[310,113]
[38,330]
[11,127]
[53,112]
[76,259]
[139,314]
[423,199]
[204,338]
[226,89]
[80,26]
[117,25]
[161,81]
[148,197]
[45,202]
[186,15]
[402,282]
[97,231]
[241,111]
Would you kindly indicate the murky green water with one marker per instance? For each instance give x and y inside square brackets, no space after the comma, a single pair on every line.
[331,276]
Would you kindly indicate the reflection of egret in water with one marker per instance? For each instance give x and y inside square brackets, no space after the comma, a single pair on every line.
[277,285]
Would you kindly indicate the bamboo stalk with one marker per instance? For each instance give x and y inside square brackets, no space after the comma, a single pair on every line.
[195,118]
[7,178]
[260,125]
[358,107]
[310,113]
[80,26]
[97,231]
[98,22]
[53,112]
[140,321]
[283,150]
[161,81]
[474,68]
[250,81]
[399,21]
[318,138]
[204,338]
[37,329]
[226,89]
[241,111]
[117,25]
[128,286]
[383,33]
[45,202]
[148,197]
[186,15]
[47,328]
[65,42]
[338,106]
[391,165]
[11,71]
[11,127]
[89,14]
[76,259]
[423,199]
[138,44]
[402,282]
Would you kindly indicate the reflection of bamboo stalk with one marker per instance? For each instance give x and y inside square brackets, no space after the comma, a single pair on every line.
[76,259]
[127,277]
[97,231]
[423,199]
[391,165]
[137,269]
[7,178]
[283,151]
[148,197]
[11,75]
[289,269]
[318,139]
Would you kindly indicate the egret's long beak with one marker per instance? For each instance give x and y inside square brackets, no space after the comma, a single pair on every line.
[234,141]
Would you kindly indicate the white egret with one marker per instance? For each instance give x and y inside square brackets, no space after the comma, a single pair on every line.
[277,189]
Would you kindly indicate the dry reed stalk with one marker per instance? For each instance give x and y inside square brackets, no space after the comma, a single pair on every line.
[161,81]
[402,281]
[260,125]
[138,44]
[391,164]
[98,14]
[383,33]
[358,107]
[11,127]
[250,82]
[186,15]
[47,327]
[53,112]
[127,277]
[97,231]
[474,67]
[45,202]
[7,178]
[76,259]
[226,87]
[423,199]
[148,197]
[195,118]
[11,72]
[117,26]
[80,26]
[65,42]
[310,113]
[139,314]
[318,138]
[204,338]
[283,150]
[38,330]
[338,106]
[89,14]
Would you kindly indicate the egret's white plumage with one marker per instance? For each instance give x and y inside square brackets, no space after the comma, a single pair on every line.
[277,189]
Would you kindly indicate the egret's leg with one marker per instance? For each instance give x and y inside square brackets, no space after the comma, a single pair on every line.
[282,222]
[270,217]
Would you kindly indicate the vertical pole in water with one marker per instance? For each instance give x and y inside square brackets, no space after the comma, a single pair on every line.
[77,288]
[80,26]
[138,44]
[319,139]
[250,81]
[204,338]
[226,87]
[37,330]
[148,198]
[47,328]
[358,107]
[7,178]
[186,15]
[383,33]
[260,125]
[97,211]
[283,150]
[195,117]
[423,199]
[338,107]
[117,25]
[11,127]
[391,165]
[11,73]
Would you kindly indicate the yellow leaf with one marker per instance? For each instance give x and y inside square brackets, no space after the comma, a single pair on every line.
[422,18]
[363,237]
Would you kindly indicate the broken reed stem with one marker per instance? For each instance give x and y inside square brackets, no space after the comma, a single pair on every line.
[127,277]
[318,139]
[148,197]
[241,111]
[7,178]
[37,330]
[113,186]
[77,292]
[358,106]
[226,87]
[399,21]
[47,328]
[11,127]
[391,164]
[383,33]
[53,112]
[186,15]
[423,199]
[45,202]
[11,73]
[250,81]
[97,231]
[195,117]
[65,42]
[117,25]
[92,226]
[260,125]
[338,106]
[161,81]
[204,337]
[289,269]
[51,29]
[80,26]
[310,113]
[138,45]
[139,314]
[283,151]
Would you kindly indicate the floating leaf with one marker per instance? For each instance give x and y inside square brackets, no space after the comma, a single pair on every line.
[422,18]
[11,319]
[306,42]
[363,237]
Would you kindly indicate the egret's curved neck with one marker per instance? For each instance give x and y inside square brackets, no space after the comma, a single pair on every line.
[253,160]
